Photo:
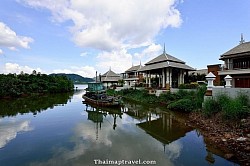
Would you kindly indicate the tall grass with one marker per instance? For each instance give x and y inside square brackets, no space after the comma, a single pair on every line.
[231,108]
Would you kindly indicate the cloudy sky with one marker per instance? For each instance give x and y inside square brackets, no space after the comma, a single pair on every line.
[84,36]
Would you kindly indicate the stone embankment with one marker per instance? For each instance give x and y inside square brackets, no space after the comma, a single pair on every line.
[233,138]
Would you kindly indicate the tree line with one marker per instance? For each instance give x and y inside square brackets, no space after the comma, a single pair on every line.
[13,85]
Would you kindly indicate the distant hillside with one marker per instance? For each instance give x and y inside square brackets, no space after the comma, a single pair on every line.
[75,78]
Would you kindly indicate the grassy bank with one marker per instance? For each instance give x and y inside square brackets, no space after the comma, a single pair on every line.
[189,101]
[229,108]
[182,100]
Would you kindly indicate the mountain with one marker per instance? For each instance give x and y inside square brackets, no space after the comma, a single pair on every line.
[77,79]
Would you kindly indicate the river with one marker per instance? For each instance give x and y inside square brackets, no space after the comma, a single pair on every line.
[61,130]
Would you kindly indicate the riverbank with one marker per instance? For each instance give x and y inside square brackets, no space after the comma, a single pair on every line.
[232,137]
[228,131]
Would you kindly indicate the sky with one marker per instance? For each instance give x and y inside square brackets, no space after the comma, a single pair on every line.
[85,36]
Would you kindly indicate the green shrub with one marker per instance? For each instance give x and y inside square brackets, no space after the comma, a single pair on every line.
[230,108]
[193,85]
[110,92]
[167,97]
[182,105]
[235,109]
[199,98]
[210,107]
[243,99]
[223,99]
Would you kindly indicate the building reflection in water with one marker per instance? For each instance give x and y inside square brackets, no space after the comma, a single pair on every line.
[97,116]
[161,125]
[164,126]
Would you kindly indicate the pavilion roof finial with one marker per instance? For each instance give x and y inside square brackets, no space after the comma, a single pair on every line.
[164,50]
[109,68]
[241,39]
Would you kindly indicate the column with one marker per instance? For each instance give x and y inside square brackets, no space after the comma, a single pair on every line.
[170,77]
[159,80]
[228,80]
[149,79]
[146,78]
[183,80]
[163,78]
[180,77]
[167,78]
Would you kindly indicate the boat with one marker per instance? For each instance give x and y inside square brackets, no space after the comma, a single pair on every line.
[96,95]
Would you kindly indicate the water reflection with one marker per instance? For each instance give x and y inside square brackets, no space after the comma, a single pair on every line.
[33,104]
[96,114]
[169,128]
[77,134]
[10,128]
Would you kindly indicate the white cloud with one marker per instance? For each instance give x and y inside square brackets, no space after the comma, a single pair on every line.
[118,60]
[9,130]
[11,40]
[148,53]
[1,51]
[112,24]
[84,54]
[16,68]
[85,71]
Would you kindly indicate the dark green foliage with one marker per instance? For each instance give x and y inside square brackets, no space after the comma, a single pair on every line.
[138,95]
[111,92]
[182,105]
[182,100]
[199,96]
[167,97]
[193,78]
[210,107]
[189,86]
[231,108]
[12,85]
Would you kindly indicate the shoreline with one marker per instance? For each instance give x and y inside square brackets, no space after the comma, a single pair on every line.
[233,138]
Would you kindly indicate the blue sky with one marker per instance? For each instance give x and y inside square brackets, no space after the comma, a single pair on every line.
[73,36]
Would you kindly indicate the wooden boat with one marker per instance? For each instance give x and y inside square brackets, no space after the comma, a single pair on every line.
[95,95]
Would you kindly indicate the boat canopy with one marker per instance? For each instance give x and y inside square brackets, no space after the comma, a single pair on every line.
[95,87]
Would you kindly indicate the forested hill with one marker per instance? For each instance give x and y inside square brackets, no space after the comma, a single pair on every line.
[75,78]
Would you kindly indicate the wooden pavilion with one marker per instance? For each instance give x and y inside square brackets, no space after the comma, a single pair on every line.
[110,78]
[167,70]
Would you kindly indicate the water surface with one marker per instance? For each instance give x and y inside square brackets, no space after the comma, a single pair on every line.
[61,130]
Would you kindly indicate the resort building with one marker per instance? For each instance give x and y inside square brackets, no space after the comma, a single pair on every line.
[237,65]
[110,78]
[214,69]
[166,71]
[132,76]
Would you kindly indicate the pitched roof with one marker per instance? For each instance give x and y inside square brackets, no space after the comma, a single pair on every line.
[239,49]
[110,73]
[133,68]
[165,60]
[164,57]
[166,64]
[110,76]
